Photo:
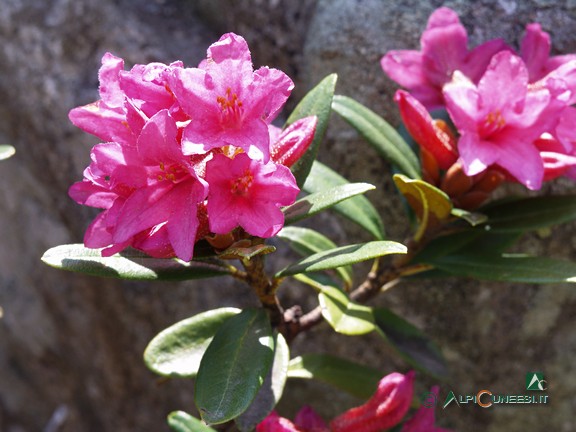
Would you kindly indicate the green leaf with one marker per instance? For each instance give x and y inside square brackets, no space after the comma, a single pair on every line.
[306,241]
[6,151]
[319,201]
[358,209]
[234,366]
[411,343]
[356,379]
[344,255]
[271,391]
[237,252]
[472,218]
[377,132]
[466,242]
[431,205]
[508,268]
[177,350]
[129,264]
[530,213]
[181,421]
[318,102]
[343,315]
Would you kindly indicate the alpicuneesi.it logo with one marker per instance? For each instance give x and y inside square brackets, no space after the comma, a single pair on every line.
[485,398]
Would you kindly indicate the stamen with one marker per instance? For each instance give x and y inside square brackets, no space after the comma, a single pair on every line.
[241,186]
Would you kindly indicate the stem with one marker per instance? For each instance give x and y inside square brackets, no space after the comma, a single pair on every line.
[265,288]
[375,282]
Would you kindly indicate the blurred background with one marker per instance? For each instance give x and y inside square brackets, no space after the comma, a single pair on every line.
[71,345]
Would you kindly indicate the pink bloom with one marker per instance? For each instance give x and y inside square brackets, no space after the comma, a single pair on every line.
[151,193]
[228,102]
[308,420]
[423,420]
[425,131]
[106,117]
[557,160]
[142,89]
[274,423]
[172,191]
[290,144]
[384,409]
[535,51]
[499,119]
[444,49]
[248,193]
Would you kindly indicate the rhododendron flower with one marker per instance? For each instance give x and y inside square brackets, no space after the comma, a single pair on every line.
[306,420]
[383,410]
[425,130]
[535,51]
[228,102]
[290,144]
[172,191]
[423,420]
[557,161]
[143,89]
[499,120]
[309,420]
[248,193]
[150,192]
[444,49]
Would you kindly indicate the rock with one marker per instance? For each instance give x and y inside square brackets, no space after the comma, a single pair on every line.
[71,346]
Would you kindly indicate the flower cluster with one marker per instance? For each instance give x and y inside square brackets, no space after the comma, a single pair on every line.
[384,410]
[512,110]
[188,152]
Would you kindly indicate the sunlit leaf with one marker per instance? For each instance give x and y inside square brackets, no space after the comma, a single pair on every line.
[319,201]
[344,315]
[354,378]
[344,255]
[357,209]
[410,342]
[271,391]
[180,421]
[431,205]
[234,366]
[318,102]
[178,349]
[306,241]
[377,132]
[473,218]
[249,252]
[6,151]
[130,264]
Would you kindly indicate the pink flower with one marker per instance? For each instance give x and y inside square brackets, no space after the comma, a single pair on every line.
[106,117]
[444,49]
[274,423]
[383,410]
[248,193]
[499,120]
[425,130]
[423,420]
[535,51]
[557,160]
[309,420]
[124,97]
[306,420]
[150,194]
[290,144]
[228,102]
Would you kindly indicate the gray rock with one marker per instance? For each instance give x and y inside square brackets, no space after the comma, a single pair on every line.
[71,346]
